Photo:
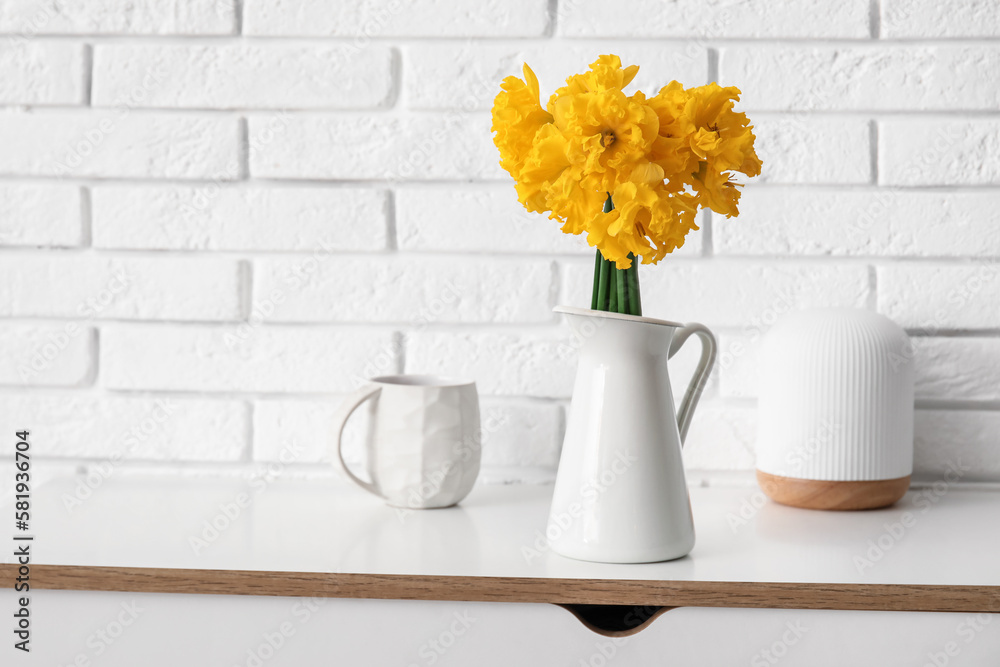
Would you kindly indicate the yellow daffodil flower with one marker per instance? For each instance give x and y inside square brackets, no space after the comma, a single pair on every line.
[659,159]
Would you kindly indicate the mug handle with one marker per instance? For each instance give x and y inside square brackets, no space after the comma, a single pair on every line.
[348,407]
[700,377]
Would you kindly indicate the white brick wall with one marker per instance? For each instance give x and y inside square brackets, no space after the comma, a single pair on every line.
[242,76]
[239,210]
[940,152]
[796,78]
[421,146]
[255,358]
[70,285]
[417,289]
[474,68]
[117,144]
[46,354]
[26,18]
[41,215]
[930,18]
[878,222]
[42,73]
[755,292]
[289,218]
[437,218]
[693,18]
[805,148]
[396,18]
[133,428]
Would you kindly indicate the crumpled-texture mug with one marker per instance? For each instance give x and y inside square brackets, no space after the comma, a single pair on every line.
[423,441]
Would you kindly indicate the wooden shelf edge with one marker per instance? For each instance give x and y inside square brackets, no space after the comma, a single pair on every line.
[776,595]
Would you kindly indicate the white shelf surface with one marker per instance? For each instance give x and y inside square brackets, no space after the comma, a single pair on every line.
[943,536]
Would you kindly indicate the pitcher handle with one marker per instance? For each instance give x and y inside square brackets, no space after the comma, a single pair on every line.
[700,378]
[347,408]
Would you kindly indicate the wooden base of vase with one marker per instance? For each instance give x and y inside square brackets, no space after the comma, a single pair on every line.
[817,494]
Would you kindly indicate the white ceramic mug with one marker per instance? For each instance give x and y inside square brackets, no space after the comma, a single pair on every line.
[423,441]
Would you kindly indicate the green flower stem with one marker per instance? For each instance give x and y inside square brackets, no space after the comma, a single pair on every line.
[634,301]
[615,290]
[622,284]
[613,299]
[603,282]
[594,301]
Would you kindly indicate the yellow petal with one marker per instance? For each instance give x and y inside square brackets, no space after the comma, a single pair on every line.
[647,172]
[531,80]
[629,74]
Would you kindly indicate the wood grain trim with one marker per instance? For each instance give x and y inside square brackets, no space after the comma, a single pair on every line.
[877,597]
[816,494]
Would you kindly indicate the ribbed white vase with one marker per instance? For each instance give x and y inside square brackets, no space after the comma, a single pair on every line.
[835,401]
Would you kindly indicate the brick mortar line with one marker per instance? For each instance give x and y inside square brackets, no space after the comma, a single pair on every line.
[234,396]
[450,184]
[397,111]
[88,75]
[462,184]
[875,19]
[249,398]
[107,39]
[580,258]
[530,329]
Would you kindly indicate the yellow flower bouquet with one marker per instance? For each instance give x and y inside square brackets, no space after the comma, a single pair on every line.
[630,171]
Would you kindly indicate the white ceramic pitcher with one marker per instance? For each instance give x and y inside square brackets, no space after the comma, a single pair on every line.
[620,494]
